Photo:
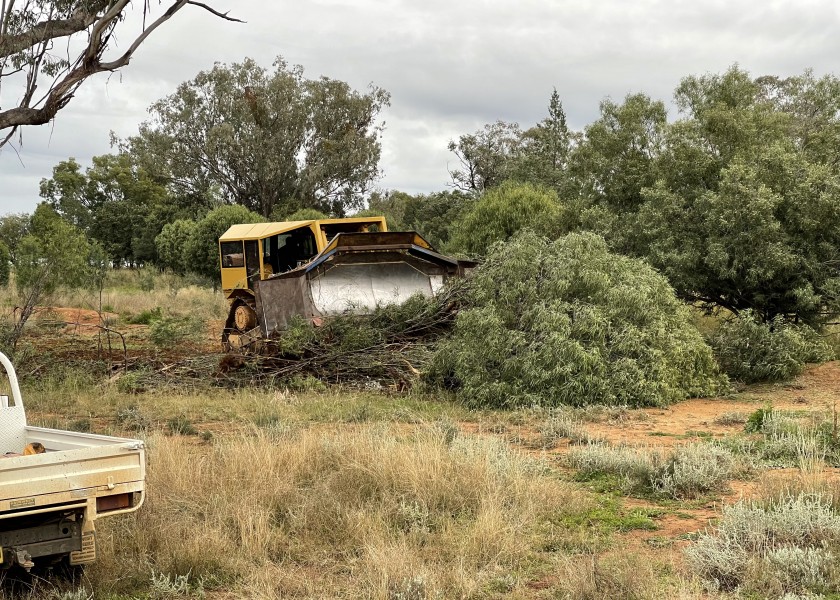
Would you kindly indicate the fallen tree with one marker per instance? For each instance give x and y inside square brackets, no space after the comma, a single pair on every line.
[568,322]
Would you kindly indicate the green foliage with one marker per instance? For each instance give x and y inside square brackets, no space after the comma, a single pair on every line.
[146,317]
[544,155]
[52,255]
[503,211]
[133,382]
[302,214]
[65,192]
[265,139]
[736,203]
[750,350]
[171,243]
[167,331]
[755,422]
[115,202]
[608,516]
[181,425]
[567,322]
[745,213]
[434,216]
[616,159]
[5,264]
[13,228]
[201,251]
[485,156]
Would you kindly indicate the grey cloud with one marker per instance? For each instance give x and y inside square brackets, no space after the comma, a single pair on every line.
[451,66]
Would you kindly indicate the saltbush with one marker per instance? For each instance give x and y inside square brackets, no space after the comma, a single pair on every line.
[787,547]
[568,322]
[749,350]
[685,472]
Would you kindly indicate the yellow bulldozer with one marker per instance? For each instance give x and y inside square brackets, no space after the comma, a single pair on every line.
[274,272]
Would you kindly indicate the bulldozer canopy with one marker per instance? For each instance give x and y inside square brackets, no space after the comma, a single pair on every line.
[256,231]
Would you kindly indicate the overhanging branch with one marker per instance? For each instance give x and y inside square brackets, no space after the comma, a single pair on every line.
[89,62]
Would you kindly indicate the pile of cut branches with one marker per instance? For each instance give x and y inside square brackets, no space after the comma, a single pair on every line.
[389,348]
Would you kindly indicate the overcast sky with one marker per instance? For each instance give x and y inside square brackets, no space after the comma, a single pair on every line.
[450,66]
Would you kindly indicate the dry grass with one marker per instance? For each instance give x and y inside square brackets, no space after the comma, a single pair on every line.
[173,294]
[129,292]
[58,402]
[635,575]
[366,511]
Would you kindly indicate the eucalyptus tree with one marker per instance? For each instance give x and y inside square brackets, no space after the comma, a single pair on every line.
[745,213]
[265,139]
[115,202]
[485,157]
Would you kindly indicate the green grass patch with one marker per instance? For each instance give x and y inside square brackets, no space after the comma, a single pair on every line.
[609,516]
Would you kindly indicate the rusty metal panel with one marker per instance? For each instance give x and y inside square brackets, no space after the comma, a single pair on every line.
[281,299]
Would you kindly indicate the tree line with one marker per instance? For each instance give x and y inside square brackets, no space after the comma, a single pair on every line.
[736,200]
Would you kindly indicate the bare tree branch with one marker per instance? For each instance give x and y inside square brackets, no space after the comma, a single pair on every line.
[222,15]
[99,18]
[51,29]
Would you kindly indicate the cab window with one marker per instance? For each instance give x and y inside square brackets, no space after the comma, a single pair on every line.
[289,250]
[232,255]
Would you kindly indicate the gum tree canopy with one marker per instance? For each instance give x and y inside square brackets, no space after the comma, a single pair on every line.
[265,139]
[39,74]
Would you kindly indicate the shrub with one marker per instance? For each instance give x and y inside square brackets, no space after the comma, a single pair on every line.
[749,350]
[168,331]
[694,469]
[560,424]
[181,425]
[788,546]
[503,211]
[146,317]
[784,441]
[568,322]
[686,472]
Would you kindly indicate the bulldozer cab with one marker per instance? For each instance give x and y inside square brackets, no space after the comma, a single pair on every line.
[253,252]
